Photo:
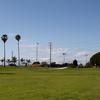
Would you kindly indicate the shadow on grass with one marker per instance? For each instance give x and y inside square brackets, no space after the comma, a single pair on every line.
[5,73]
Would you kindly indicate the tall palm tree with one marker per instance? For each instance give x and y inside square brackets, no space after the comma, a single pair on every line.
[4,39]
[18,37]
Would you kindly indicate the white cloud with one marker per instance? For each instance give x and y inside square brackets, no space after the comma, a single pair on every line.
[79,49]
[59,50]
[71,54]
[44,59]
[83,53]
[27,46]
[44,48]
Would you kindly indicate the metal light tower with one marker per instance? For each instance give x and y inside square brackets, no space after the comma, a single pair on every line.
[64,54]
[86,55]
[12,54]
[4,39]
[50,46]
[37,51]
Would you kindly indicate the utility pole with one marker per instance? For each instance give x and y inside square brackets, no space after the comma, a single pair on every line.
[37,51]
[64,54]
[12,54]
[86,55]
[50,46]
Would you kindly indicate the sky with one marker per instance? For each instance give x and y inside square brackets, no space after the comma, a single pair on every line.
[73,27]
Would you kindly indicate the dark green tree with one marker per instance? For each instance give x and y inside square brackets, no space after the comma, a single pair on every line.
[75,63]
[14,60]
[95,59]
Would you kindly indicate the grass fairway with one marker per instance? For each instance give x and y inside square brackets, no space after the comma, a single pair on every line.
[49,84]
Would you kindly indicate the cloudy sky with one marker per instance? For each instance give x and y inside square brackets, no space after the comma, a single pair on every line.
[73,26]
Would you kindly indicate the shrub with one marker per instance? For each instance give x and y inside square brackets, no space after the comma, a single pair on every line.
[44,64]
[37,62]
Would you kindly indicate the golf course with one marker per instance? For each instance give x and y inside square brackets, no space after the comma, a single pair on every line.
[49,84]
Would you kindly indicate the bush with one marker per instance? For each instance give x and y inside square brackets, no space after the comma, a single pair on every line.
[53,64]
[36,62]
[65,64]
[80,66]
[44,64]
[12,64]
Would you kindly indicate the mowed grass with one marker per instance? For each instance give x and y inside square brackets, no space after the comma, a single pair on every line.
[49,84]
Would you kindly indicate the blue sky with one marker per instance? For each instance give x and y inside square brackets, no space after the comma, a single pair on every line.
[72,25]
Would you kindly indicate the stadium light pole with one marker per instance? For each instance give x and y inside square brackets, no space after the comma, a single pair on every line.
[64,54]
[37,44]
[50,47]
[86,55]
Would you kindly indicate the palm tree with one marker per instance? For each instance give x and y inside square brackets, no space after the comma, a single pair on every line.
[4,39]
[2,61]
[18,37]
[8,61]
[22,60]
[28,61]
[14,60]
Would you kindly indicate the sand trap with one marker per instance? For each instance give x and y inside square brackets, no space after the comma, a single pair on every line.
[62,68]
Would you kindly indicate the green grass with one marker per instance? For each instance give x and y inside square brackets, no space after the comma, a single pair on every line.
[49,84]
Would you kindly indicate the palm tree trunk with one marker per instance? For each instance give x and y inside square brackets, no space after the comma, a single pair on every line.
[18,55]
[4,55]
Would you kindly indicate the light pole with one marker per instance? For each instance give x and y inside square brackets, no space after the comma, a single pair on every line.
[18,37]
[86,55]
[64,57]
[50,46]
[4,39]
[37,51]
[12,54]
